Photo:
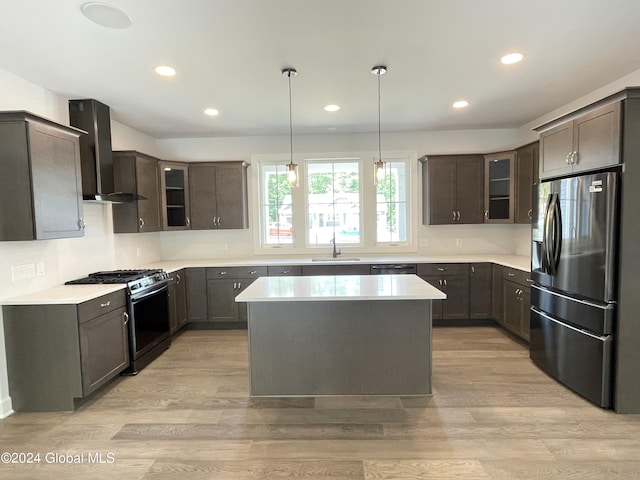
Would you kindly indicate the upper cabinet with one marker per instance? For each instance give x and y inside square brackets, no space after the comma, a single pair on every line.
[499,187]
[218,195]
[136,173]
[174,195]
[41,180]
[584,141]
[526,175]
[452,189]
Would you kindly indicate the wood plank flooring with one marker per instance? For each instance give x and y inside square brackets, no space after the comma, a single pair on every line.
[493,415]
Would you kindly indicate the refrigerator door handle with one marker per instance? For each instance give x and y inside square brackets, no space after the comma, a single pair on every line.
[557,235]
[551,238]
[546,227]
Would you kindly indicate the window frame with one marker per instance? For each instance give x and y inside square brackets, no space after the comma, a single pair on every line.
[368,225]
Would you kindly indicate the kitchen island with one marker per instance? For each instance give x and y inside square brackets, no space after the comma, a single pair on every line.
[340,335]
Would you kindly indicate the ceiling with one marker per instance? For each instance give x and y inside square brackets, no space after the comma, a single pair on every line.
[228,55]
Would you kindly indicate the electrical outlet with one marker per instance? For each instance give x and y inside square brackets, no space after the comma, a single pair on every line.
[458,242]
[23,272]
[40,269]
[424,242]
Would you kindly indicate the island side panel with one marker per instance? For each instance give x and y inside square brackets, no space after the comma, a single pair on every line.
[340,348]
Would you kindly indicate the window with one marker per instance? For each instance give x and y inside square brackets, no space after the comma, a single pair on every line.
[337,198]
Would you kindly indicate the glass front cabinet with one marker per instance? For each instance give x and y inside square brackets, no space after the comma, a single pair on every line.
[174,179]
[499,196]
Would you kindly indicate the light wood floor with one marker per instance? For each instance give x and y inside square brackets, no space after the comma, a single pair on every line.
[493,415]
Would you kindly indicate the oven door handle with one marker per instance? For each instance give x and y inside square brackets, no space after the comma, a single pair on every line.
[136,299]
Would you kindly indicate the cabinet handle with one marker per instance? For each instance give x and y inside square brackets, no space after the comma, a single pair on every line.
[511,274]
[285,272]
[458,215]
[235,285]
[473,270]
[574,158]
[218,221]
[529,280]
[440,282]
[530,214]
[141,221]
[239,285]
[486,214]
[125,318]
[453,215]
[102,305]
[441,269]
[252,272]
[178,278]
[445,282]
[188,222]
[223,272]
[567,159]
[81,224]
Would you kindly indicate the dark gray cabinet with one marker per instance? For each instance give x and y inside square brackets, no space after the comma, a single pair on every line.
[284,270]
[218,195]
[453,280]
[499,187]
[480,304]
[40,179]
[136,173]
[177,301]
[174,195]
[57,354]
[349,269]
[586,140]
[526,176]
[516,301]
[223,285]
[497,293]
[452,188]
[196,294]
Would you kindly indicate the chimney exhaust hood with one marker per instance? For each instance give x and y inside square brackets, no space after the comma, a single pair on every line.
[96,159]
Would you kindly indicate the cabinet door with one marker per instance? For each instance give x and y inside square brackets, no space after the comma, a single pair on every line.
[231,194]
[181,299]
[512,306]
[456,306]
[174,195]
[147,184]
[499,193]
[556,145]
[196,294]
[497,306]
[104,349]
[202,183]
[173,314]
[469,189]
[437,306]
[480,290]
[440,206]
[242,307]
[56,182]
[596,138]
[525,164]
[221,304]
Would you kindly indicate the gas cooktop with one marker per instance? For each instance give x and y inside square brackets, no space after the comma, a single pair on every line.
[118,276]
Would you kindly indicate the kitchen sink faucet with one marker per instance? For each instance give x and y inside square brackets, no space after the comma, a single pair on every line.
[335,252]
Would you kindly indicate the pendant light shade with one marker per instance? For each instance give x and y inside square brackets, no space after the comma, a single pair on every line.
[292,168]
[379,70]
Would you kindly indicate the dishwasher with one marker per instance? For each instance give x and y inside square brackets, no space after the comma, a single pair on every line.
[394,269]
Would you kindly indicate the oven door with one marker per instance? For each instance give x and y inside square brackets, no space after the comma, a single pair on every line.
[149,320]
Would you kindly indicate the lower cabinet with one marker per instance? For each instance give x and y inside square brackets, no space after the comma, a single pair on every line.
[497,293]
[223,285]
[480,282]
[57,354]
[452,279]
[516,302]
[177,301]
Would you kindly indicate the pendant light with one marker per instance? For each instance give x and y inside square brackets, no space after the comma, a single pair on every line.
[379,70]
[292,168]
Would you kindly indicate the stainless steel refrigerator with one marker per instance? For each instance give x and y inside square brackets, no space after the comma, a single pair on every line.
[574,269]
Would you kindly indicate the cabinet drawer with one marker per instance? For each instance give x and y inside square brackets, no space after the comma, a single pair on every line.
[517,276]
[443,268]
[101,305]
[236,272]
[284,270]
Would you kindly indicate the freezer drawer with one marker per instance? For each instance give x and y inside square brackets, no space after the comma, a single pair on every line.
[580,360]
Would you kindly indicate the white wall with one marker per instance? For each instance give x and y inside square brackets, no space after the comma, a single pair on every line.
[66,259]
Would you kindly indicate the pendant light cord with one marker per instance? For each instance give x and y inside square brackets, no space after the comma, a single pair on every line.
[379,147]
[290,123]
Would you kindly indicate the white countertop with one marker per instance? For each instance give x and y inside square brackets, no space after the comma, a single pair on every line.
[63,294]
[339,287]
[74,294]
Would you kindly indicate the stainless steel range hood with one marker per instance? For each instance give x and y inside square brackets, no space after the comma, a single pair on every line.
[96,159]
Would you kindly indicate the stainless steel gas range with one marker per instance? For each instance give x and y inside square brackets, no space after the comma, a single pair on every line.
[147,308]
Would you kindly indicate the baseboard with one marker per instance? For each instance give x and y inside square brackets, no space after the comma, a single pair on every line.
[5,407]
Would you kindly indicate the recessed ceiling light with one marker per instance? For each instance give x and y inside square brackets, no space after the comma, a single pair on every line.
[460,104]
[332,108]
[105,15]
[511,58]
[165,70]
[212,112]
